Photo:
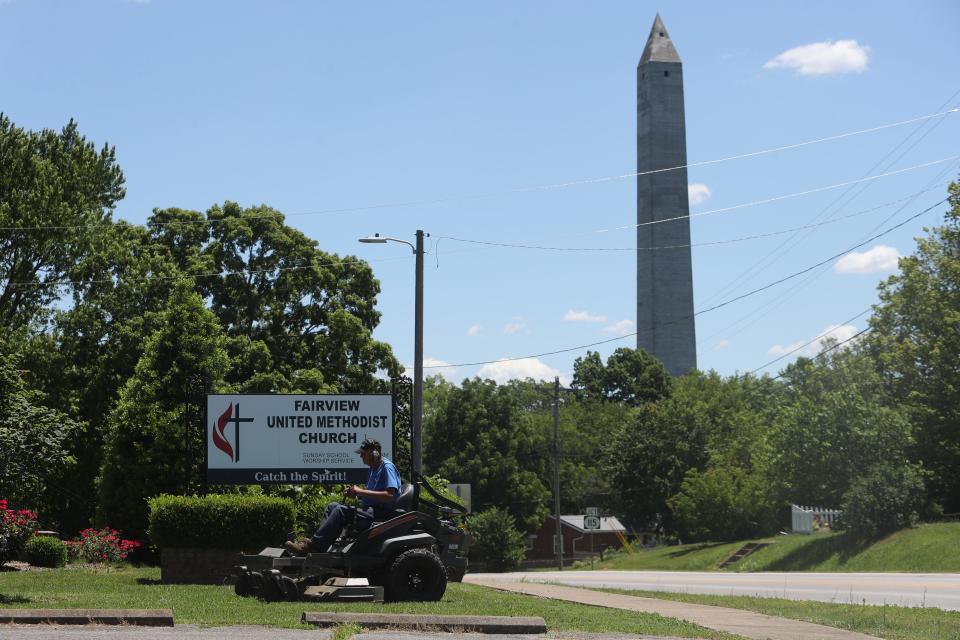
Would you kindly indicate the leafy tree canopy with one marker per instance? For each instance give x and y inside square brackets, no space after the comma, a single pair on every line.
[476,434]
[915,340]
[631,376]
[33,438]
[56,190]
[153,445]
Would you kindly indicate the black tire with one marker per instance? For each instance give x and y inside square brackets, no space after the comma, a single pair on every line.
[242,586]
[417,575]
[272,590]
[255,584]
[291,591]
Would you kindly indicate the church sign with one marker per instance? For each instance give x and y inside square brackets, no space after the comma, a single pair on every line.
[294,439]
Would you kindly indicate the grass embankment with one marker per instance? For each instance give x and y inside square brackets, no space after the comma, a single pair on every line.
[139,588]
[889,622]
[929,548]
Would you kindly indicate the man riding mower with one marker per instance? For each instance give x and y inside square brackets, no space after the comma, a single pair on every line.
[406,553]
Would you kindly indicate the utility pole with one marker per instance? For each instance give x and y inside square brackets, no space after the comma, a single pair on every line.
[556,470]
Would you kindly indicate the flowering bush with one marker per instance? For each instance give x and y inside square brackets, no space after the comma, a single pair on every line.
[16,527]
[100,545]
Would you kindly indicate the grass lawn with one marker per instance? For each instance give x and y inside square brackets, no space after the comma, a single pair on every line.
[892,623]
[929,548]
[139,588]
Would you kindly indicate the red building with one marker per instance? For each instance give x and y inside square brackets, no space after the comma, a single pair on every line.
[578,542]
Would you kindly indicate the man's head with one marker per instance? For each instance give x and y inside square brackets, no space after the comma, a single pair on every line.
[370,452]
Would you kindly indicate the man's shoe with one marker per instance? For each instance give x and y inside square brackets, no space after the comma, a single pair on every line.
[300,548]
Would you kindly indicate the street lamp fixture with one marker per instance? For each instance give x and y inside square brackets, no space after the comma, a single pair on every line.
[416,420]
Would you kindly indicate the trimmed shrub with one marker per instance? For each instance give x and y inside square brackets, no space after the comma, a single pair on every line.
[886,498]
[496,540]
[239,522]
[46,551]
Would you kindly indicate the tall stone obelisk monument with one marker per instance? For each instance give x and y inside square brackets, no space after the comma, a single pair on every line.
[665,322]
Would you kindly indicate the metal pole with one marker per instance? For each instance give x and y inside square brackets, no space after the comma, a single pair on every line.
[417,419]
[556,469]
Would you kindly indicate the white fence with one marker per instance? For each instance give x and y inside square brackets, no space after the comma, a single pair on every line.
[805,518]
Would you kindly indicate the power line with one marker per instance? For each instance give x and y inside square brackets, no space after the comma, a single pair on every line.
[770,306]
[807,344]
[785,197]
[545,187]
[832,348]
[696,244]
[837,204]
[341,262]
[210,274]
[708,309]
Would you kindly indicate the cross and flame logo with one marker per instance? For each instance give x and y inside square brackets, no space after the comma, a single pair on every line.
[219,435]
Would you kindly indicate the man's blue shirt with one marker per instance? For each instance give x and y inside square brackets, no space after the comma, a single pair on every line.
[380,478]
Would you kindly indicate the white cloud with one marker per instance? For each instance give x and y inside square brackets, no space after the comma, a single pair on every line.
[623,328]
[474,330]
[879,258]
[583,316]
[698,193]
[835,332]
[503,371]
[780,350]
[724,344]
[448,373]
[823,58]
[514,327]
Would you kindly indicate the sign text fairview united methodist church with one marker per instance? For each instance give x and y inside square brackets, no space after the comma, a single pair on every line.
[293,439]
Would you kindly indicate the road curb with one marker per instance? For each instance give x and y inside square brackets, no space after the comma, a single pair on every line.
[477,624]
[139,617]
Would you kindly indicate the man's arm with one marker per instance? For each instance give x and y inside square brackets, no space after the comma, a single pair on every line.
[385,495]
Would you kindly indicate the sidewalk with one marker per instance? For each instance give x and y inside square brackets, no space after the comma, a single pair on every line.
[745,623]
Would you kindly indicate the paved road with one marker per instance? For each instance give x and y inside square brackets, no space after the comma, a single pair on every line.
[940,590]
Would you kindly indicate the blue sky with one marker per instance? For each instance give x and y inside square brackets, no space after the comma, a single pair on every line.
[463,109]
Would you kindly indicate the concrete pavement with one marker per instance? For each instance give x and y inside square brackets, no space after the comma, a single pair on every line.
[745,623]
[940,590]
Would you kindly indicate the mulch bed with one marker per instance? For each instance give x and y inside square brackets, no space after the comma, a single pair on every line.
[17,565]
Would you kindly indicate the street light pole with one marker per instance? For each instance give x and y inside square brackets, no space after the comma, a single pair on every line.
[416,420]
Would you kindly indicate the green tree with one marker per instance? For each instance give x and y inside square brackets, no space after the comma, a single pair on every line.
[284,305]
[915,340]
[835,427]
[34,459]
[723,503]
[630,376]
[154,444]
[707,419]
[92,347]
[478,434]
[887,497]
[55,192]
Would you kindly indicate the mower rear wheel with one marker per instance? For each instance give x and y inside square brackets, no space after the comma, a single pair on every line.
[249,584]
[416,574]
